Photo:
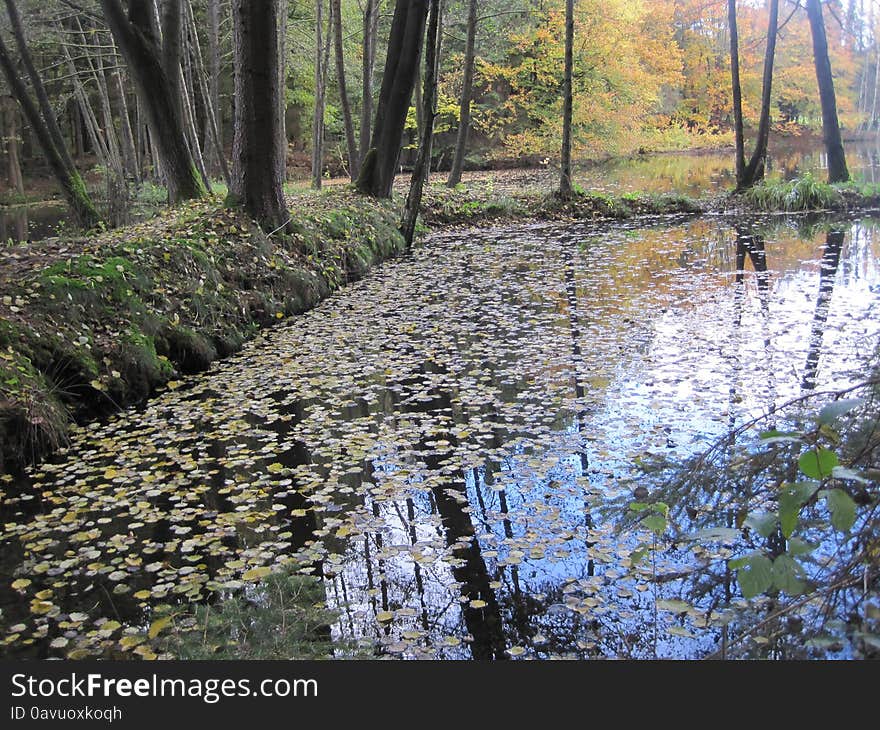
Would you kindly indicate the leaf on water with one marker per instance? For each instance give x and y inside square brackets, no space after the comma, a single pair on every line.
[158,626]
[384,616]
[516,650]
[672,604]
[478,603]
[256,573]
[21,583]
[818,463]
[714,534]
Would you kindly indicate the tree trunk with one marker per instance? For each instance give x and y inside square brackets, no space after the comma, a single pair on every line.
[464,115]
[128,144]
[39,90]
[318,119]
[422,165]
[9,110]
[755,169]
[214,77]
[737,93]
[351,143]
[371,27]
[71,183]
[258,160]
[136,39]
[171,48]
[404,49]
[209,99]
[565,186]
[837,170]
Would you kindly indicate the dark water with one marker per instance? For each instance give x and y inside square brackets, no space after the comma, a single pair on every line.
[31,222]
[451,443]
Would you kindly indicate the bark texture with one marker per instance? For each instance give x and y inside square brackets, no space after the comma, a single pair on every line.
[258,159]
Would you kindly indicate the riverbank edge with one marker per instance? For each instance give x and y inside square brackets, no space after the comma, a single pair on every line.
[90,326]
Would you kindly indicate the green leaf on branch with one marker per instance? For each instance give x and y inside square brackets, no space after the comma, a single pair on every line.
[655,523]
[764,524]
[787,575]
[842,508]
[754,573]
[791,499]
[778,437]
[818,463]
[838,408]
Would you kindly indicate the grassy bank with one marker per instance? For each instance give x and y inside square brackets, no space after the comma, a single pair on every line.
[88,326]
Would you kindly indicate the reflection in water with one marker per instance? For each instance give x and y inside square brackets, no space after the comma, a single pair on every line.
[827,277]
[419,441]
[30,222]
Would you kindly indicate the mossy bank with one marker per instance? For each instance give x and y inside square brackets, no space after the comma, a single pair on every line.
[88,326]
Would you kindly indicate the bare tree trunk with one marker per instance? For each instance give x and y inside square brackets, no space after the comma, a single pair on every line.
[71,183]
[404,50]
[208,96]
[837,170]
[214,76]
[737,93]
[429,100]
[318,120]
[9,110]
[187,104]
[755,169]
[351,143]
[282,81]
[39,90]
[136,37]
[565,186]
[128,143]
[467,90]
[171,47]
[371,28]
[258,160]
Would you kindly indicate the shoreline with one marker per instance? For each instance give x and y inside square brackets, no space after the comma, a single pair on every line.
[90,326]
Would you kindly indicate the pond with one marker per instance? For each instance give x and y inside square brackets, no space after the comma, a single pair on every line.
[450,445]
[31,222]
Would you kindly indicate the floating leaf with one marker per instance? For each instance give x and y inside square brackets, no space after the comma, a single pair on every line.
[256,573]
[384,616]
[21,583]
[158,626]
[714,534]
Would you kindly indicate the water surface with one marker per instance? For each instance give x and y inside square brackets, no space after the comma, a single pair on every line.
[450,444]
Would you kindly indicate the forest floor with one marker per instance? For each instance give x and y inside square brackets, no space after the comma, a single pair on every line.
[91,324]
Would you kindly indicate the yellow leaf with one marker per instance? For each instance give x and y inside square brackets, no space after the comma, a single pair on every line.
[275,468]
[21,583]
[477,603]
[384,616]
[256,573]
[158,626]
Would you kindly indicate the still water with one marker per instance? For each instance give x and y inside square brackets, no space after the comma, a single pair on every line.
[450,444]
